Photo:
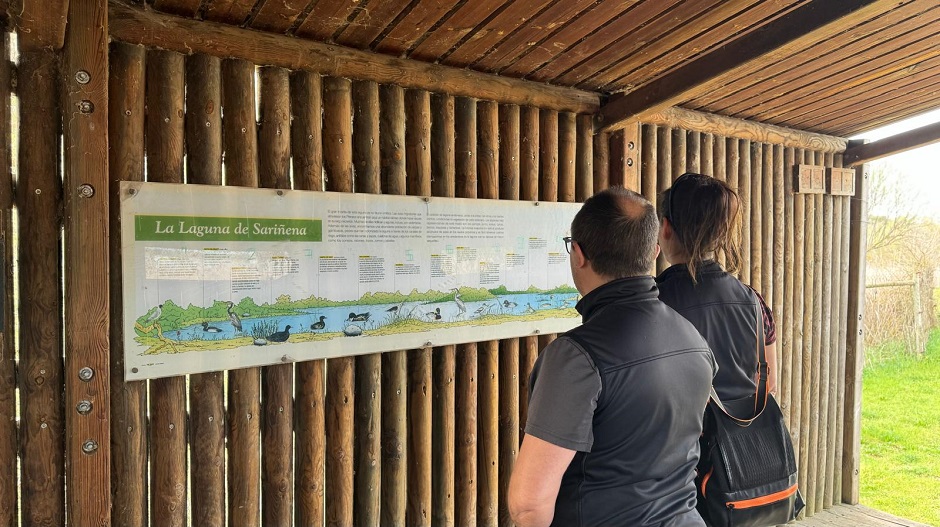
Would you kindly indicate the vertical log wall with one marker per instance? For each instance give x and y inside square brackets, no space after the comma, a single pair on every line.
[410,437]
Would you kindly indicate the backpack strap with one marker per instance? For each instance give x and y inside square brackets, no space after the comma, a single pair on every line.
[760,397]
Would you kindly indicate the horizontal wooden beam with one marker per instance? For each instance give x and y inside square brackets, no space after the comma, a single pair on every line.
[149,28]
[791,32]
[40,24]
[895,144]
[731,127]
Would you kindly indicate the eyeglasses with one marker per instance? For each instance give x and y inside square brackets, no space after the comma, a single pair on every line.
[568,241]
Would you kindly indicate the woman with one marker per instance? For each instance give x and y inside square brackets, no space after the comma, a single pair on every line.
[698,216]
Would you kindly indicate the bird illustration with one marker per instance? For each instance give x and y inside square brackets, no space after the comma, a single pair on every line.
[153,315]
[457,300]
[233,317]
[509,305]
[393,309]
[545,305]
[320,324]
[352,330]
[210,329]
[483,310]
[433,315]
[528,309]
[280,336]
[361,317]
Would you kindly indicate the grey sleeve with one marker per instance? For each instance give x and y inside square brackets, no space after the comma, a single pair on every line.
[565,386]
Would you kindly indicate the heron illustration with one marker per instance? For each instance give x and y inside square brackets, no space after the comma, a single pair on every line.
[233,316]
[460,305]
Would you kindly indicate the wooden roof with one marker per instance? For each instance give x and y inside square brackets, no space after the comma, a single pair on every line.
[878,65]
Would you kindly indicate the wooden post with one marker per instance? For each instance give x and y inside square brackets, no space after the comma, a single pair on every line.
[548,155]
[443,414]
[277,411]
[465,397]
[818,316]
[669,145]
[744,192]
[584,158]
[757,219]
[707,155]
[38,194]
[165,87]
[767,224]
[693,151]
[206,390]
[8,410]
[395,363]
[340,373]
[368,472]
[732,166]
[618,157]
[836,363]
[824,351]
[847,328]
[679,153]
[601,149]
[529,184]
[567,151]
[799,299]
[240,142]
[719,170]
[785,381]
[418,161]
[650,165]
[310,437]
[855,341]
[488,405]
[508,427]
[809,301]
[919,329]
[87,309]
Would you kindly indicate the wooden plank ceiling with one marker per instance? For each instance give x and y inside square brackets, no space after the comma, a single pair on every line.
[852,78]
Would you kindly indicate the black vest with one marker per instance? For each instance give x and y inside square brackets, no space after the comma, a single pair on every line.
[725,312]
[655,372]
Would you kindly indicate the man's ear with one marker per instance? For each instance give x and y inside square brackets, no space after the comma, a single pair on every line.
[579,260]
[657,251]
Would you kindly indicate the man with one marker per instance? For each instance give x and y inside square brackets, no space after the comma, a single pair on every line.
[616,405]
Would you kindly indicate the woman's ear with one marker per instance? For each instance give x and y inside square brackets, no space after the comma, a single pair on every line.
[665,229]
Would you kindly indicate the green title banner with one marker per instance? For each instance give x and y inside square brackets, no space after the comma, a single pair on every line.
[197,228]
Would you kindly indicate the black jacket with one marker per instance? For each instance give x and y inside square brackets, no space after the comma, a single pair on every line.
[655,372]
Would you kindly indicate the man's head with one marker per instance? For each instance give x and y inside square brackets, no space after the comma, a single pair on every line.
[614,236]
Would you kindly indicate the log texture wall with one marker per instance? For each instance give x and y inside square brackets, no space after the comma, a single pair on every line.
[411,437]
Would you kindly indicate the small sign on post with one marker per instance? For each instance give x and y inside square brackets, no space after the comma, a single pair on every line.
[810,179]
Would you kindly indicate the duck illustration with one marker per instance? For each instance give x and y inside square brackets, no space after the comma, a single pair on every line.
[433,315]
[528,309]
[153,315]
[509,305]
[210,329]
[280,336]
[361,317]
[352,330]
[233,317]
[319,325]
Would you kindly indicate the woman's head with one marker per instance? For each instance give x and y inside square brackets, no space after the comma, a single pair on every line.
[700,217]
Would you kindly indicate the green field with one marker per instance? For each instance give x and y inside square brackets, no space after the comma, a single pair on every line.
[900,466]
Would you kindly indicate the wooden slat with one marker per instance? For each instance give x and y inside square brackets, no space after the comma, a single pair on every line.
[394,364]
[310,437]
[457,26]
[491,31]
[584,159]
[444,358]
[509,146]
[412,26]
[418,142]
[340,372]
[809,280]
[776,253]
[188,8]
[671,154]
[529,153]
[855,341]
[165,137]
[744,191]
[40,24]
[233,12]
[39,191]
[466,385]
[240,143]
[789,332]
[326,19]
[825,354]
[758,280]
[164,31]
[206,390]
[278,17]
[567,151]
[790,32]
[832,383]
[693,150]
[767,226]
[368,23]
[86,277]
[488,405]
[8,410]
[277,410]
[840,462]
[574,31]
[649,166]
[368,471]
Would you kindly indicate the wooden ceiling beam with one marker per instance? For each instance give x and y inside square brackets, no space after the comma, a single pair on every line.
[40,24]
[148,28]
[895,144]
[792,32]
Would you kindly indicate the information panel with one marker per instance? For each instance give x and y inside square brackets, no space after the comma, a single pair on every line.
[219,278]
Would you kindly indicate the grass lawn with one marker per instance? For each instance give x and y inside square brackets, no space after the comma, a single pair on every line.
[900,466]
